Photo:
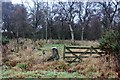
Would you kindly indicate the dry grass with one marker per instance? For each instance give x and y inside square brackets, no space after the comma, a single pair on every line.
[51,66]
[94,65]
[77,42]
[28,56]
[35,60]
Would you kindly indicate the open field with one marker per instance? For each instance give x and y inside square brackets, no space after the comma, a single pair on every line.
[31,62]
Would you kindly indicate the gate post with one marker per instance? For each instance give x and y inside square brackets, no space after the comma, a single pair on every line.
[64,52]
[91,50]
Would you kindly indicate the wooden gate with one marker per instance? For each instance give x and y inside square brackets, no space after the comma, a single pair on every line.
[77,53]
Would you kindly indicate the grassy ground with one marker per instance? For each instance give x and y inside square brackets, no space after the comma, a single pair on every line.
[31,63]
[59,70]
[41,74]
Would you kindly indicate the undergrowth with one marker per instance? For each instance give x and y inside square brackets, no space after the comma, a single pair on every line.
[31,63]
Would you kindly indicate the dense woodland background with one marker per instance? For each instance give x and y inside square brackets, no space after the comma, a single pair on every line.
[60,20]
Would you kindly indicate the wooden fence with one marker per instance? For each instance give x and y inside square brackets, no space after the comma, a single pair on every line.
[77,53]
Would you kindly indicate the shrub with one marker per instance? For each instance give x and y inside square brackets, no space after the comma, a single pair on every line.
[23,66]
[5,40]
[111,40]
[5,67]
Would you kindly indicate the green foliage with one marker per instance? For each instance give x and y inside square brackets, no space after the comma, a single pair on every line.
[110,42]
[23,66]
[5,67]
[5,40]
[52,74]
[110,39]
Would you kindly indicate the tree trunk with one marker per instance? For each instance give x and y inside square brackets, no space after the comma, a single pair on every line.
[82,33]
[46,32]
[46,26]
[72,33]
[17,43]
[58,35]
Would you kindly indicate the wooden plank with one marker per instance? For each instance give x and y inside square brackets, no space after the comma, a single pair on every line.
[83,52]
[80,47]
[76,57]
[71,61]
[74,54]
[82,56]
[80,59]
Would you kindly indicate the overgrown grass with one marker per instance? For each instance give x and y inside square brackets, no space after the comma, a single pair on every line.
[40,74]
[52,74]
[59,69]
[29,64]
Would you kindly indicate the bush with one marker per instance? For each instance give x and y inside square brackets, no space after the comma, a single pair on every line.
[5,67]
[5,40]
[23,66]
[110,40]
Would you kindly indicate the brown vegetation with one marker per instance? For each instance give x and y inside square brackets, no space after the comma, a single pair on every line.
[35,60]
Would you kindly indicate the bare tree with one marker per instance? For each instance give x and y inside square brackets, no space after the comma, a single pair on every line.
[83,15]
[109,10]
[69,13]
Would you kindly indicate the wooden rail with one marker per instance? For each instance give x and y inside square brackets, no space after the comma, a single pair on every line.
[76,53]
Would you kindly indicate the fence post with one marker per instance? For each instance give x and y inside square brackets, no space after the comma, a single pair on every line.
[64,52]
[91,50]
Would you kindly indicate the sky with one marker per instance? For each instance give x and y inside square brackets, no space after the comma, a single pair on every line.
[19,1]
[16,1]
